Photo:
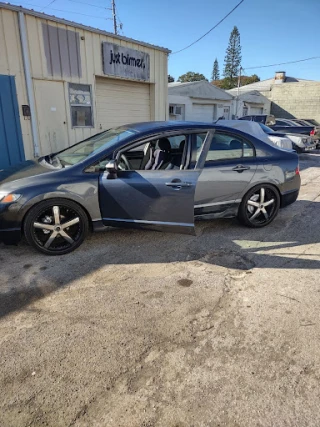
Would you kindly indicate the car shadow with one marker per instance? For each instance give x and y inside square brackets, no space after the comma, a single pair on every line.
[290,242]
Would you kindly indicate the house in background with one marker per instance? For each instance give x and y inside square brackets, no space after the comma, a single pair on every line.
[198,101]
[252,102]
[290,97]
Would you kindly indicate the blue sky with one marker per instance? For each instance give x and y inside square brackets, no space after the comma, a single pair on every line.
[272,31]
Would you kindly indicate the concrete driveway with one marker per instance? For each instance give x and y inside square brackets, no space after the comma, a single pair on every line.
[143,329]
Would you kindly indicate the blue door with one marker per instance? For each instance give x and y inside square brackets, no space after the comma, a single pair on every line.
[11,145]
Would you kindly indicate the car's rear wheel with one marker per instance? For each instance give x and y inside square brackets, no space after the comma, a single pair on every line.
[259,206]
[56,227]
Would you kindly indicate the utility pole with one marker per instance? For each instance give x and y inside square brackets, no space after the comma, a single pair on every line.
[239,82]
[114,16]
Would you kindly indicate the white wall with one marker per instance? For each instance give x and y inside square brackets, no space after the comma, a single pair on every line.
[237,107]
[189,103]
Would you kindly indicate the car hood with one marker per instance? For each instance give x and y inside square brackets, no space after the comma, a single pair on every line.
[27,169]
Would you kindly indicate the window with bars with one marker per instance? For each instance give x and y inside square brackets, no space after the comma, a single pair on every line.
[81,105]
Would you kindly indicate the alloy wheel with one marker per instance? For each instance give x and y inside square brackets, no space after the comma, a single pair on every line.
[56,227]
[261,206]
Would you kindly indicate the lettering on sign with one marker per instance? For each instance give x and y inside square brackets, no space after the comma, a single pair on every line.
[125,62]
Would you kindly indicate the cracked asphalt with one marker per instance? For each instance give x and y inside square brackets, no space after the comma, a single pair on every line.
[144,329]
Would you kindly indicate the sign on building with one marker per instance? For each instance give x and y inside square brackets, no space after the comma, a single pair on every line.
[125,62]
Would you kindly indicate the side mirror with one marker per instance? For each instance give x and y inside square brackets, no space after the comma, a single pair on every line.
[112,169]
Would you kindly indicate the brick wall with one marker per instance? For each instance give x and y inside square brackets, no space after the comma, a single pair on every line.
[295,100]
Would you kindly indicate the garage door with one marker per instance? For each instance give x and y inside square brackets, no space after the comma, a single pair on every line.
[121,102]
[203,113]
[256,110]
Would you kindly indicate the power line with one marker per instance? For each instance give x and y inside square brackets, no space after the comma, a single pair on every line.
[68,11]
[90,4]
[49,4]
[283,63]
[231,11]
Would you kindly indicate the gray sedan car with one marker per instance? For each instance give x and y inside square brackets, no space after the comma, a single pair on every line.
[155,175]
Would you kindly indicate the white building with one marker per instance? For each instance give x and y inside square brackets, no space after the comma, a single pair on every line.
[246,101]
[198,101]
[290,97]
[61,82]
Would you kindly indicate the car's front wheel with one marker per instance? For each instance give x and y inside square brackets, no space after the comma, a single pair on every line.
[259,206]
[56,226]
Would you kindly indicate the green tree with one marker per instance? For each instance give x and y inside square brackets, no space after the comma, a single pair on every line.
[244,80]
[247,80]
[170,79]
[191,76]
[232,59]
[215,71]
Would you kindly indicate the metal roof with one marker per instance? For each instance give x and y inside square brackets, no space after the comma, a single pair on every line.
[266,85]
[200,89]
[77,25]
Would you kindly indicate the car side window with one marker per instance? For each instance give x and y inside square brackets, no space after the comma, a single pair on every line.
[228,147]
[281,123]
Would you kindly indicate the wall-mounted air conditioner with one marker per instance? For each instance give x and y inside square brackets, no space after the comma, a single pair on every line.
[175,110]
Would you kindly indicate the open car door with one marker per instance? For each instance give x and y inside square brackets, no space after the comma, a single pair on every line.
[160,200]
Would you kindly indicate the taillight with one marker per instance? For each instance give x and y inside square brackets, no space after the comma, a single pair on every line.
[297,170]
[312,132]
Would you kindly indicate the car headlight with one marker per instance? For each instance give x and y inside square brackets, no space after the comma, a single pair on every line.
[8,197]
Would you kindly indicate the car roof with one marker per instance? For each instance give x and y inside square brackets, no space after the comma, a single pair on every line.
[146,129]
[174,124]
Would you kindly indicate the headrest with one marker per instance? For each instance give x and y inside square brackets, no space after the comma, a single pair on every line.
[235,144]
[164,144]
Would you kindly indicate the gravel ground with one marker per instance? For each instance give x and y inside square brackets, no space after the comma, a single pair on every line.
[144,329]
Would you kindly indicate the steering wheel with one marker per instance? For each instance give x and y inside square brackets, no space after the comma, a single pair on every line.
[125,162]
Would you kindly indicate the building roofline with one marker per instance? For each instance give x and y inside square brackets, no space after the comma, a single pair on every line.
[175,85]
[210,99]
[77,25]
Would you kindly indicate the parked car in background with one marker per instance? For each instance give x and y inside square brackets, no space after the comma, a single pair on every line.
[282,125]
[300,143]
[287,125]
[266,119]
[154,175]
[311,122]
[257,130]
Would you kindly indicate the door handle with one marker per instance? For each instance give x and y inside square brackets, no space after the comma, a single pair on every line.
[240,168]
[178,184]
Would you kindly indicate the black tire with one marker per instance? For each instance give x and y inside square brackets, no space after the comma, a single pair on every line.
[50,218]
[257,209]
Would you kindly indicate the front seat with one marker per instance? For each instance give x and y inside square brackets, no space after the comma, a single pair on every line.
[176,160]
[159,159]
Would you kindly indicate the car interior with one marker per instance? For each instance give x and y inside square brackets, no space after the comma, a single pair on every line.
[163,153]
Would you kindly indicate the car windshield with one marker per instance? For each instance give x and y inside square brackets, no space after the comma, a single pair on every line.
[266,129]
[312,122]
[85,149]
